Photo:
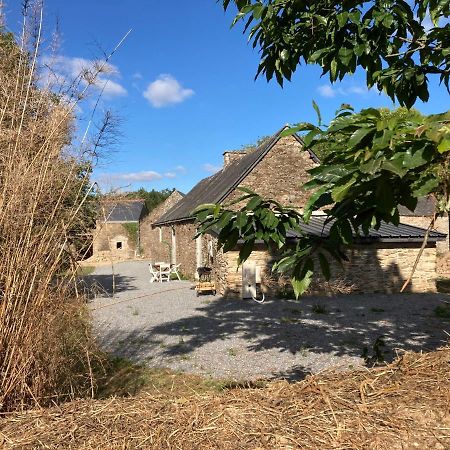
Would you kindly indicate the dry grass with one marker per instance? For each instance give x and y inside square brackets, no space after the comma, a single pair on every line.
[45,342]
[403,405]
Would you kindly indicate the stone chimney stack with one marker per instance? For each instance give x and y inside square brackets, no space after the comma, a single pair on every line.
[231,156]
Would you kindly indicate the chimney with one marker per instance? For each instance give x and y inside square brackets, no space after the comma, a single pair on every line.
[231,156]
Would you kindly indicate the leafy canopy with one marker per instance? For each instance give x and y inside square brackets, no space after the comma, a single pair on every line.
[389,39]
[152,198]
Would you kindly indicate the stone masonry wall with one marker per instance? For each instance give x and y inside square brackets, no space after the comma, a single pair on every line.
[155,245]
[373,268]
[281,174]
[106,239]
[186,248]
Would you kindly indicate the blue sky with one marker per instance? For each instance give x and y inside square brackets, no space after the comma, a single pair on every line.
[184,86]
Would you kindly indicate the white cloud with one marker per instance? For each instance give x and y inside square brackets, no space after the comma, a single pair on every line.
[165,91]
[211,168]
[145,175]
[356,90]
[328,91]
[64,69]
[137,76]
[180,169]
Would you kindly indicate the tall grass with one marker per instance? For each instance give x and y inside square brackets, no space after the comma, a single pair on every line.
[45,343]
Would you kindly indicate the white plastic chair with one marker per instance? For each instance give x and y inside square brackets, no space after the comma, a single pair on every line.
[174,269]
[164,273]
[154,274]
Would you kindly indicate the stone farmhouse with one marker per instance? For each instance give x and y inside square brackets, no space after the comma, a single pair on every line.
[117,232]
[276,169]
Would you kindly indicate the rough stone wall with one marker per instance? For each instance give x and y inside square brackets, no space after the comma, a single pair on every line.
[442,247]
[153,247]
[106,237]
[374,268]
[280,174]
[157,243]
[186,248]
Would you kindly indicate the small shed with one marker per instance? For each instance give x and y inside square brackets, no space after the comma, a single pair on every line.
[117,232]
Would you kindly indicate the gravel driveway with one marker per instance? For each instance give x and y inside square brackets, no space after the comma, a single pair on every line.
[166,325]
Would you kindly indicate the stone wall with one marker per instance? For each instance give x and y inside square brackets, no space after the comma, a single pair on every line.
[186,248]
[280,174]
[442,247]
[156,241]
[372,268]
[112,241]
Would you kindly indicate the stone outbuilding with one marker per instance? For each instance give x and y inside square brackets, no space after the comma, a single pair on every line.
[277,169]
[117,231]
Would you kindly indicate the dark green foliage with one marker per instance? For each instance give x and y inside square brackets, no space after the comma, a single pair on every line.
[132,230]
[387,39]
[377,162]
[152,198]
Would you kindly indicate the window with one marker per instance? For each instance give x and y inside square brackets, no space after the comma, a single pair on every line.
[119,245]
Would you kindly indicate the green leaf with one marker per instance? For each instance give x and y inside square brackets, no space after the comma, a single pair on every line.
[358,136]
[311,203]
[246,190]
[284,55]
[318,54]
[418,157]
[241,219]
[342,19]
[224,219]
[316,108]
[425,186]
[324,266]
[395,166]
[246,251]
[253,203]
[302,281]
[340,191]
[444,146]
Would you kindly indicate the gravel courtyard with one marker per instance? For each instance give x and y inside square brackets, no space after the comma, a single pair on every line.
[167,325]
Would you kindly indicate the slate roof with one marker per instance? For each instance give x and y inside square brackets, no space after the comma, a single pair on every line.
[386,233]
[123,210]
[217,187]
[425,207]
